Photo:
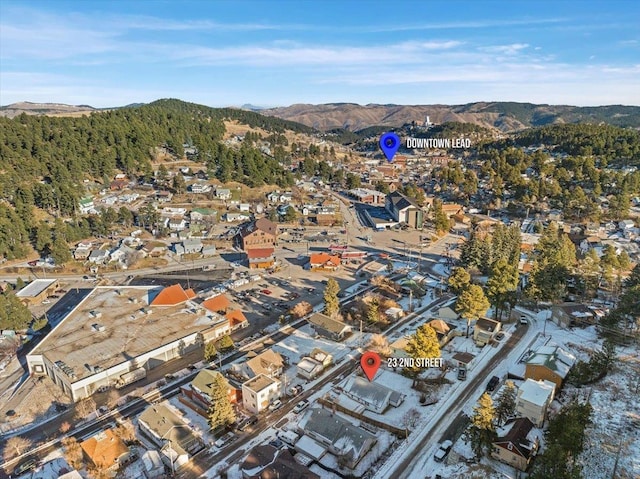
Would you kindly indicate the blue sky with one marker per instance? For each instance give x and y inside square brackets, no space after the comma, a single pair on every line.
[273,53]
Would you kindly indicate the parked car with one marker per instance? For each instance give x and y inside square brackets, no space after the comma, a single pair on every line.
[224,440]
[443,451]
[295,390]
[462,374]
[266,291]
[275,405]
[277,443]
[523,320]
[247,422]
[493,382]
[24,466]
[499,336]
[301,406]
[46,301]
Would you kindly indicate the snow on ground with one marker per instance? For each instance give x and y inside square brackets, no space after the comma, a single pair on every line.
[425,465]
[196,422]
[615,431]
[302,341]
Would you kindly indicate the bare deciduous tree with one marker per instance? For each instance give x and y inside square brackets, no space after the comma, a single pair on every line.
[15,446]
[85,407]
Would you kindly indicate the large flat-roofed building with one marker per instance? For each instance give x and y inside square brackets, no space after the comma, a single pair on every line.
[118,329]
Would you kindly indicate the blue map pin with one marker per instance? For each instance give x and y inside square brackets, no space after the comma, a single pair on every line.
[389,143]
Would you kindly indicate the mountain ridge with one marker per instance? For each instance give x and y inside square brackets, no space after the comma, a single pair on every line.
[498,116]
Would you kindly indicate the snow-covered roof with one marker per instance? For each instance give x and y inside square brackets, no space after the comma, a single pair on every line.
[536,392]
[554,358]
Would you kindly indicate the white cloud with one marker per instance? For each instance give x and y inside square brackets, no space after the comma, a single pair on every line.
[511,49]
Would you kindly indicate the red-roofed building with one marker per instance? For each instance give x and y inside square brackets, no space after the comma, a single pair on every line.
[217,304]
[172,295]
[324,261]
[237,319]
[260,257]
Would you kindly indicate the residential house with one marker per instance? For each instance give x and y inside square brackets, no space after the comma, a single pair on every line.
[86,205]
[175,223]
[260,258]
[329,328]
[516,444]
[404,210]
[444,331]
[267,363]
[452,210]
[324,262]
[166,430]
[233,217]
[399,347]
[551,363]
[208,250]
[163,196]
[533,400]
[245,207]
[373,396]
[199,188]
[309,368]
[154,249]
[261,233]
[448,314]
[82,251]
[463,359]
[259,392]
[223,193]
[340,436]
[572,314]
[267,462]
[99,256]
[188,246]
[199,215]
[119,184]
[484,330]
[197,394]
[105,450]
[153,465]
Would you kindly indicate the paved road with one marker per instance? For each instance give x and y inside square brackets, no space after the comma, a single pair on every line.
[404,469]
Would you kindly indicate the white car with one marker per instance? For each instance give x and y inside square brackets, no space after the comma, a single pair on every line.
[226,439]
[301,406]
[443,451]
[275,405]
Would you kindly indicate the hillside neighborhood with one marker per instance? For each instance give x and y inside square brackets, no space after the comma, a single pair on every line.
[194,327]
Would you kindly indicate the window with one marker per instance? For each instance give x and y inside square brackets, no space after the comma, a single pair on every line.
[510,447]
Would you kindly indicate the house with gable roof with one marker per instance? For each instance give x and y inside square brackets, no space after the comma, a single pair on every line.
[338,435]
[551,363]
[517,443]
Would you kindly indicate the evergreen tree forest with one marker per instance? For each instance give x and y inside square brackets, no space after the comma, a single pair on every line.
[45,160]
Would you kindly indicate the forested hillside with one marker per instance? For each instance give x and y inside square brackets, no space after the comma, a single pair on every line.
[44,160]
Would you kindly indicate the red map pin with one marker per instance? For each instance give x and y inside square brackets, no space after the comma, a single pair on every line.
[370,363]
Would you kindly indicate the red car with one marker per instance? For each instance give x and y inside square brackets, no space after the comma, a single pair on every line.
[266,291]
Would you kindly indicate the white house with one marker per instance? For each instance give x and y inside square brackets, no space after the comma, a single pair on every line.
[200,188]
[259,392]
[223,193]
[533,400]
[99,256]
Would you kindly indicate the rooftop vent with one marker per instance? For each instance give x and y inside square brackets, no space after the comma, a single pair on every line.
[95,327]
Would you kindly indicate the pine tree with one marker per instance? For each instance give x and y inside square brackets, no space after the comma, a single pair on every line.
[226,343]
[221,412]
[482,431]
[331,302]
[471,304]
[459,280]
[423,343]
[210,351]
[373,312]
[502,282]
[60,251]
[506,403]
